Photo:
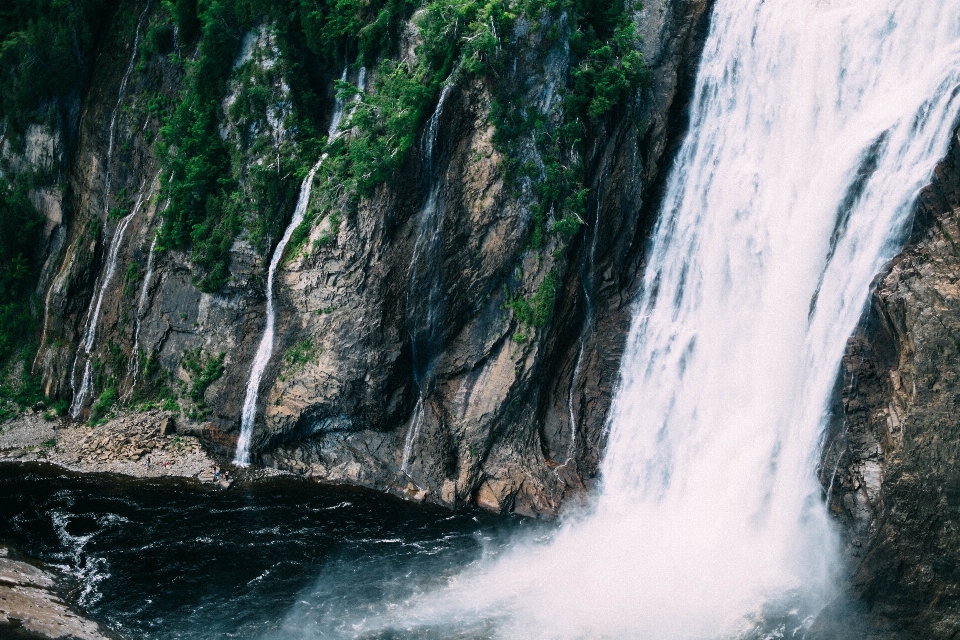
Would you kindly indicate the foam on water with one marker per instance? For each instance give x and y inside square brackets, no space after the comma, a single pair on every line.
[814,126]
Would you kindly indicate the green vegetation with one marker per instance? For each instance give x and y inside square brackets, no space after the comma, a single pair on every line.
[103,404]
[301,354]
[214,196]
[204,369]
[45,51]
[155,387]
[535,311]
[20,227]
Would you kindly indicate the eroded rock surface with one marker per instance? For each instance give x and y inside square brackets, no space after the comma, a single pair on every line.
[510,417]
[31,607]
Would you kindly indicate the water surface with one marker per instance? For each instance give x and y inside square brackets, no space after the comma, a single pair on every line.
[276,559]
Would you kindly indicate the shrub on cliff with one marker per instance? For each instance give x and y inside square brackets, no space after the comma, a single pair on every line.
[45,46]
[19,232]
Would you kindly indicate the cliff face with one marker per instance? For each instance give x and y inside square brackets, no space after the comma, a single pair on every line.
[889,462]
[398,363]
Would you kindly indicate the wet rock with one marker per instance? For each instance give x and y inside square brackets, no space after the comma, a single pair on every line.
[496,406]
[889,465]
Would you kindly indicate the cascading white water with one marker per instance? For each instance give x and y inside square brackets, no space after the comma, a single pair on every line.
[265,349]
[814,126]
[116,108]
[133,364]
[55,285]
[338,105]
[423,290]
[133,367]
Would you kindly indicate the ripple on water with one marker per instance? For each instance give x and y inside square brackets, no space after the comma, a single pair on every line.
[162,560]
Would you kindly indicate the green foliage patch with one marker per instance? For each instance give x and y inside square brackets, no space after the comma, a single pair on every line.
[535,311]
[204,370]
[301,354]
[20,227]
[45,46]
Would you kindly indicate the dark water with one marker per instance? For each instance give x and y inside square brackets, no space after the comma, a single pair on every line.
[278,559]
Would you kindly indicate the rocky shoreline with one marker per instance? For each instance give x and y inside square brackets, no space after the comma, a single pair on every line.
[137,444]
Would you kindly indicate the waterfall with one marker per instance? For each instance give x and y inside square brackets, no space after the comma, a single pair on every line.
[423,291]
[55,285]
[93,313]
[116,108]
[265,349]
[133,365]
[586,284]
[133,368]
[814,126]
[338,105]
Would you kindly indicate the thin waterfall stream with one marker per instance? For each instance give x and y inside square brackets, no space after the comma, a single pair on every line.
[93,312]
[587,264]
[265,348]
[423,289]
[90,335]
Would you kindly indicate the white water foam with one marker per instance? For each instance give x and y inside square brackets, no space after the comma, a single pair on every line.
[814,126]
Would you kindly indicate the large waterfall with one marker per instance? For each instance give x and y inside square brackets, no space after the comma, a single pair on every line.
[814,126]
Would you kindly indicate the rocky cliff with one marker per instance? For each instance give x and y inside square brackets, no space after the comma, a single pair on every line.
[441,334]
[889,461]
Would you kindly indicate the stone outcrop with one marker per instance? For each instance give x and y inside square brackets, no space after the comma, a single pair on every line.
[890,461]
[31,607]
